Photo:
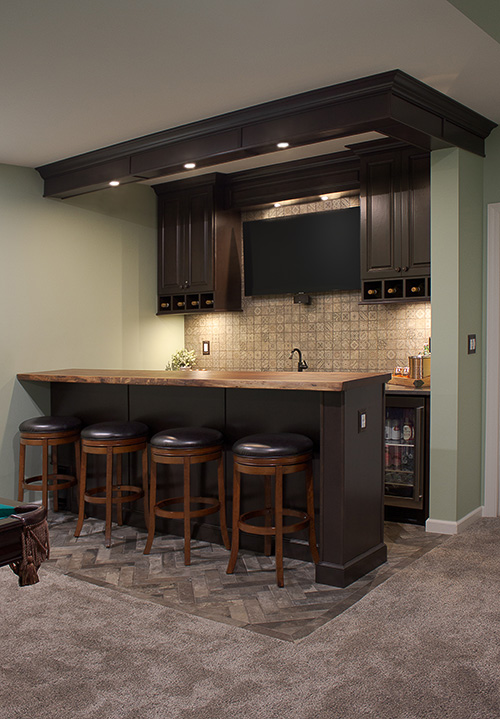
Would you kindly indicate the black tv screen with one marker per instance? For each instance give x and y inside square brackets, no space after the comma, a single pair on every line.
[316,252]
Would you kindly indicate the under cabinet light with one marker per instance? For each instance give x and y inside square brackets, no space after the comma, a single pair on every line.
[277,204]
[283,145]
[324,198]
[114,183]
[190,165]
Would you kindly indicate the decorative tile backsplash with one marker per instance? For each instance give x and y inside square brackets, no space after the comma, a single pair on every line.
[334,332]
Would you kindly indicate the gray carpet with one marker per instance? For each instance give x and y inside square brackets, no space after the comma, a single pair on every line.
[426,643]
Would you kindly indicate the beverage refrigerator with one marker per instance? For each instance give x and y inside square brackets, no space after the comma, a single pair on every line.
[406,462]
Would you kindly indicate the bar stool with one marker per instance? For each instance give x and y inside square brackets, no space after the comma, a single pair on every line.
[187,446]
[113,439]
[48,432]
[272,455]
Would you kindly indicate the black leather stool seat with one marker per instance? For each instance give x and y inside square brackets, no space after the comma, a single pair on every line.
[282,444]
[186,438]
[115,430]
[50,424]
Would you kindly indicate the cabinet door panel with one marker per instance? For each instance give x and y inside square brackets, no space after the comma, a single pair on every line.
[418,219]
[170,246]
[380,217]
[199,245]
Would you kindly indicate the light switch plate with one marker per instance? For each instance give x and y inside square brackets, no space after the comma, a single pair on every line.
[205,346]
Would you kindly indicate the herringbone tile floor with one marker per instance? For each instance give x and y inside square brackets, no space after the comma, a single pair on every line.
[249,598]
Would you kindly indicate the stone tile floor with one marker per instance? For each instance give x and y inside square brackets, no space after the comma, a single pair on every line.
[249,598]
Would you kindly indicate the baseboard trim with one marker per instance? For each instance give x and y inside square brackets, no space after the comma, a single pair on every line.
[443,526]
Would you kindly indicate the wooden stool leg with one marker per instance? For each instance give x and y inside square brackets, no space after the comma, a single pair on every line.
[76,446]
[236,518]
[268,503]
[45,473]
[119,506]
[109,495]
[278,510]
[310,511]
[187,512]
[222,500]
[54,471]
[152,516]
[145,485]
[22,463]
[81,494]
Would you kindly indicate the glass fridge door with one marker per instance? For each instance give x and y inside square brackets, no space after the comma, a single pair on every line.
[403,456]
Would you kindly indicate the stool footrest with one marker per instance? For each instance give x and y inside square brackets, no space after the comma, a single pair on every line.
[133,493]
[271,531]
[212,502]
[54,482]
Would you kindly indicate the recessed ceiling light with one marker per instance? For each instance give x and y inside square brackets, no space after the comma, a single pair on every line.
[324,197]
[114,183]
[283,145]
[190,165]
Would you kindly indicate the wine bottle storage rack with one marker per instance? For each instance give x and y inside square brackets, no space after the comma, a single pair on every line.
[396,290]
[186,304]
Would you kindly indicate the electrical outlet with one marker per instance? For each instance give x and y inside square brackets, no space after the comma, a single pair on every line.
[471,344]
[361,420]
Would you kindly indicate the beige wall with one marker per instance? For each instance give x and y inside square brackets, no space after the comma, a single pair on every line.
[77,289]
[334,332]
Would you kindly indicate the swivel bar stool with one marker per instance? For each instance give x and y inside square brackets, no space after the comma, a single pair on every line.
[48,432]
[272,455]
[187,446]
[113,439]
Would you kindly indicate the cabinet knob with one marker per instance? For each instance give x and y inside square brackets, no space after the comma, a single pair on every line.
[186,283]
[405,269]
[397,269]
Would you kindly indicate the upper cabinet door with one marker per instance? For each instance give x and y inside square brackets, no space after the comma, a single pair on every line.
[380,215]
[395,214]
[199,245]
[416,209]
[171,255]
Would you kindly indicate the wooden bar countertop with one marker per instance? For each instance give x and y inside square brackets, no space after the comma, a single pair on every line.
[316,381]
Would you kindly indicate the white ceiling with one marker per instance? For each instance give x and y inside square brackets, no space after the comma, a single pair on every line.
[76,75]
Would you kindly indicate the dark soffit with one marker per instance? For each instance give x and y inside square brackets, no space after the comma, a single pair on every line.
[392,103]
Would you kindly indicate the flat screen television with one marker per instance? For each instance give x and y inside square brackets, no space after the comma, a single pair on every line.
[316,252]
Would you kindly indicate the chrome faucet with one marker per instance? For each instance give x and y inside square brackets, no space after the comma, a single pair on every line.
[302,363]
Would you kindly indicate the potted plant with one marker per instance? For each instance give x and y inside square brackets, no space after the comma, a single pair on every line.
[182,359]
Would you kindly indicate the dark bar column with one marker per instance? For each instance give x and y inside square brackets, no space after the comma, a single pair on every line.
[351,504]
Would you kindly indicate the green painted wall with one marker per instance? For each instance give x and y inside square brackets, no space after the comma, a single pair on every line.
[483,13]
[77,289]
[456,401]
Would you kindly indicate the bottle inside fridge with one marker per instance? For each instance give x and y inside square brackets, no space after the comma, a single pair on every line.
[401,480]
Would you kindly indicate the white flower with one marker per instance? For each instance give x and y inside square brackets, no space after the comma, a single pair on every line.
[182,358]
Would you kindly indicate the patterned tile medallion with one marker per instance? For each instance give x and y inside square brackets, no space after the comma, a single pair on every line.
[249,598]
